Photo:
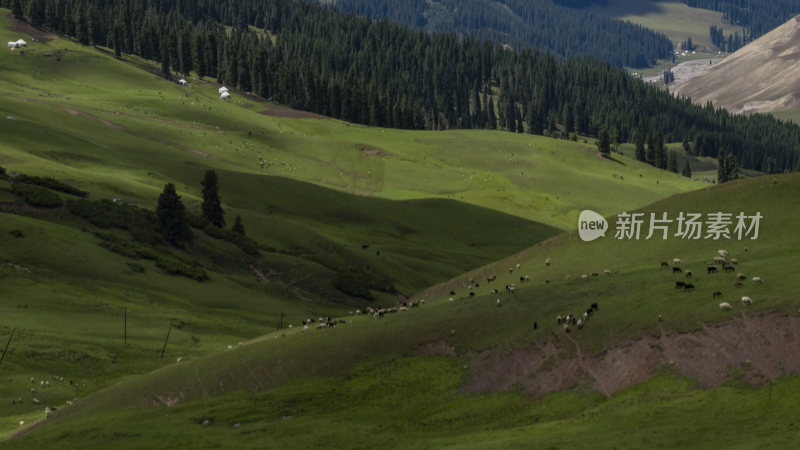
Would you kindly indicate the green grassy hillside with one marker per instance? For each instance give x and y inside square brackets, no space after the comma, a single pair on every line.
[311,192]
[470,373]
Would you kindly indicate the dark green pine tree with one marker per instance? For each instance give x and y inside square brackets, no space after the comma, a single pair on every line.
[661,151]
[82,27]
[164,57]
[732,167]
[672,161]
[640,147]
[617,136]
[687,170]
[212,206]
[117,37]
[16,9]
[604,142]
[172,217]
[722,168]
[650,157]
[238,227]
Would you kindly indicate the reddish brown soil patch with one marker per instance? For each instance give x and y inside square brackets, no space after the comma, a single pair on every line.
[20,26]
[755,349]
[289,113]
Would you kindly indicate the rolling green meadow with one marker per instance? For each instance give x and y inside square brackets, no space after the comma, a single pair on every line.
[441,211]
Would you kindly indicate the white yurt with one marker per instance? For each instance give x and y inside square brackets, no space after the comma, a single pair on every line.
[182,82]
[21,43]
[223,89]
[12,44]
[225,95]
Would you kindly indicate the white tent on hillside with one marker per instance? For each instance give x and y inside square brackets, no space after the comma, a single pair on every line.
[21,43]
[225,95]
[223,89]
[12,44]
[182,82]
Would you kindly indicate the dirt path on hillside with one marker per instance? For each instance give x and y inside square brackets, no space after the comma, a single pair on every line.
[754,349]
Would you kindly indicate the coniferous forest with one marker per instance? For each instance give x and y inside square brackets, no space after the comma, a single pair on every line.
[540,24]
[383,74]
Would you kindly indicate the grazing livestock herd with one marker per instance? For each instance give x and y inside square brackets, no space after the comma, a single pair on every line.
[713,267]
[49,410]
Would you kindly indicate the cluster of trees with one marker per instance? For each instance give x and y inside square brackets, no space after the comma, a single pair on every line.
[730,44]
[173,220]
[756,17]
[383,74]
[657,153]
[542,24]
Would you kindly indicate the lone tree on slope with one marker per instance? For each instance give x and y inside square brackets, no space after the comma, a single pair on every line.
[172,216]
[238,227]
[212,207]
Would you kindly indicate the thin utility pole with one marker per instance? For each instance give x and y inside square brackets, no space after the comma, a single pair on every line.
[165,340]
[7,344]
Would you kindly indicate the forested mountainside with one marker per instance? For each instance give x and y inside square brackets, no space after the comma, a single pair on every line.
[384,74]
[540,24]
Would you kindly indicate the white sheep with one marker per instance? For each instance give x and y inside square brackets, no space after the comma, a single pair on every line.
[230,347]
[518,266]
[547,262]
[757,280]
[722,253]
[725,306]
[450,299]
[584,276]
[580,323]
[677,261]
[22,423]
[305,329]
[422,301]
[180,358]
[606,272]
[290,325]
[747,300]
[734,261]
[240,344]
[498,302]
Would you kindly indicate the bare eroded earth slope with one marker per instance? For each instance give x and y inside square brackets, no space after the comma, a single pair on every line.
[762,76]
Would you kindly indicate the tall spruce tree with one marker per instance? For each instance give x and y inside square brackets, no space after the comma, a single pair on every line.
[661,151]
[672,161]
[172,217]
[212,206]
[650,157]
[732,167]
[640,146]
[687,169]
[603,142]
[722,168]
